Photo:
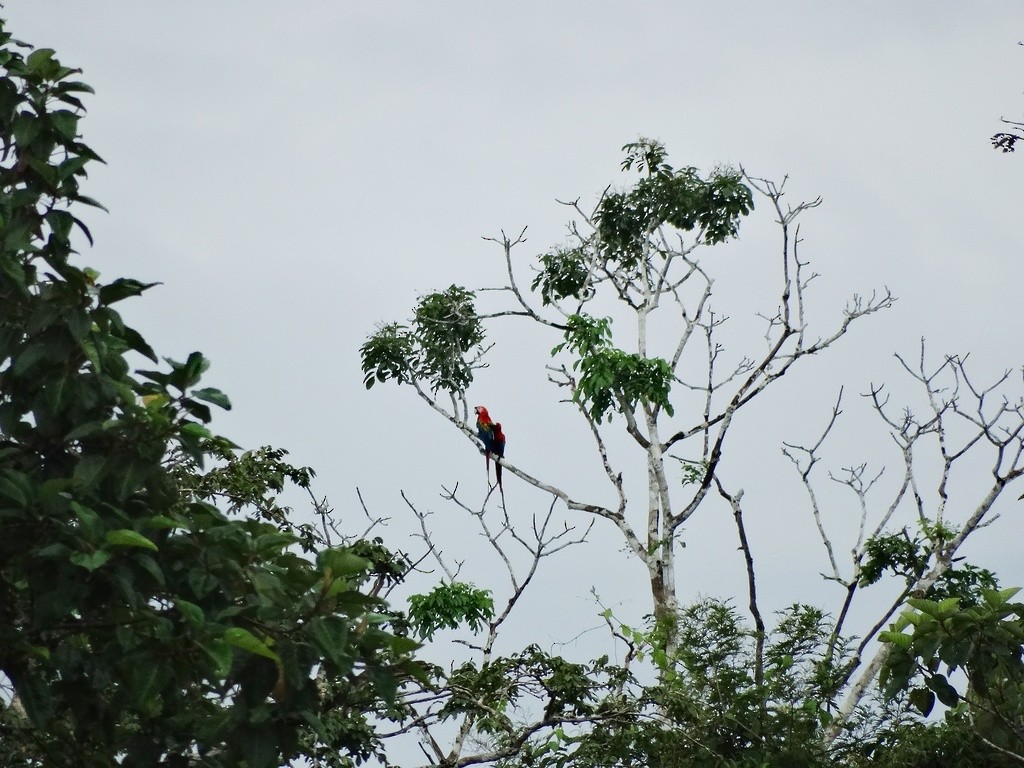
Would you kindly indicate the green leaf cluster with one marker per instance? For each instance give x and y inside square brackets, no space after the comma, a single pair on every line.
[439,347]
[910,557]
[934,639]
[442,344]
[448,606]
[679,198]
[250,482]
[610,379]
[693,472]
[496,693]
[951,742]
[631,226]
[564,273]
[707,706]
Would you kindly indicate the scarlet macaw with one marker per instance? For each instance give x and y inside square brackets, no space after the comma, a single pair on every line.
[493,438]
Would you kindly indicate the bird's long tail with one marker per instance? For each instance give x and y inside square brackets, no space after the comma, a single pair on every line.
[497,474]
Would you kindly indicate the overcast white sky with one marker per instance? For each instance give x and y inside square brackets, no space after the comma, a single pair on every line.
[295,172]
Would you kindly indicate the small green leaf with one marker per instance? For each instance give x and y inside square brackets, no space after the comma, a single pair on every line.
[126,537]
[339,586]
[38,59]
[70,167]
[946,693]
[331,635]
[75,86]
[14,486]
[192,612]
[259,746]
[220,652]
[215,396]
[90,470]
[60,222]
[162,522]
[403,645]
[86,200]
[135,341]
[896,638]
[195,366]
[247,641]
[196,430]
[929,607]
[923,700]
[122,288]
[1001,596]
[65,123]
[87,429]
[341,562]
[90,561]
[142,680]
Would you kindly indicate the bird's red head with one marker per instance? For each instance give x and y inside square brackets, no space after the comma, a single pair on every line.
[481,414]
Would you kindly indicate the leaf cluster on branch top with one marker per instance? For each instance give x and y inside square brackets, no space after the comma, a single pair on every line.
[911,557]
[609,379]
[666,196]
[445,335]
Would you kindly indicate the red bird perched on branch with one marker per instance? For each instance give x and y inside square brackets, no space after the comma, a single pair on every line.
[493,438]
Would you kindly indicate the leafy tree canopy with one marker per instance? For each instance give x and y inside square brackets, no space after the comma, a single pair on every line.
[150,613]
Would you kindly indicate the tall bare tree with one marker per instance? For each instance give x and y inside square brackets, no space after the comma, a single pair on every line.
[646,252]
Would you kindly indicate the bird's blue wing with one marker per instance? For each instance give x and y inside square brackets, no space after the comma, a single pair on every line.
[486,434]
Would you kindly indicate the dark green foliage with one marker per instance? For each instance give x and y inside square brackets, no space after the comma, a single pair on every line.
[250,481]
[693,471]
[564,274]
[389,354]
[982,640]
[609,379]
[893,552]
[706,707]
[1006,141]
[681,199]
[449,606]
[624,250]
[446,333]
[628,224]
[139,623]
[910,558]
[495,693]
[948,743]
